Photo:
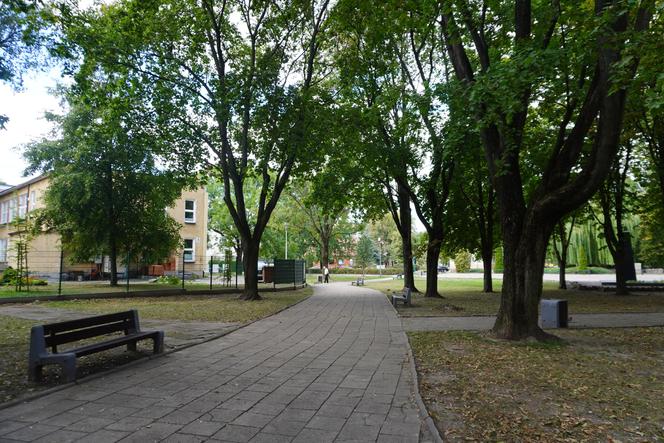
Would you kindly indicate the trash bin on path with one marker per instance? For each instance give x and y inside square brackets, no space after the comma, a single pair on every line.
[553,313]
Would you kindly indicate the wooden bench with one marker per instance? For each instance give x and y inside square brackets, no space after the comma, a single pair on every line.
[405,298]
[55,334]
[358,282]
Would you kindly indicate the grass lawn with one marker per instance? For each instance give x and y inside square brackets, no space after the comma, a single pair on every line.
[225,308]
[15,333]
[464,297]
[600,385]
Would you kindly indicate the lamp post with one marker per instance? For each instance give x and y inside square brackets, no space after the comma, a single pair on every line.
[286,248]
[380,256]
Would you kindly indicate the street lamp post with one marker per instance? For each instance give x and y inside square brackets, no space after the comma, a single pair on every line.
[380,256]
[286,248]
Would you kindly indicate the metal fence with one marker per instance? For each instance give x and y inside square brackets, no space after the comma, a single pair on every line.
[53,272]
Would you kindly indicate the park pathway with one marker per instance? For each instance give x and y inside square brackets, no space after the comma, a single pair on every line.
[332,368]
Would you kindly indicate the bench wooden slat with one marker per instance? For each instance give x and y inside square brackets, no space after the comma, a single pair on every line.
[112,343]
[86,322]
[94,331]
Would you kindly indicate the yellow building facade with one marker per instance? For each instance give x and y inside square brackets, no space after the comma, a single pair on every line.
[44,250]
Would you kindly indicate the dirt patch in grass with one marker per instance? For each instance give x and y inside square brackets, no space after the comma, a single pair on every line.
[599,385]
[226,308]
[464,297]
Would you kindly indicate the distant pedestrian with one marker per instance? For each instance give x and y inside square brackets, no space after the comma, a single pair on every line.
[326,273]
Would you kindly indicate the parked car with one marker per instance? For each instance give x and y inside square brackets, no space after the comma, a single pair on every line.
[443,268]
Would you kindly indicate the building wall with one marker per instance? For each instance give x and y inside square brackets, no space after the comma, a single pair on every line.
[44,249]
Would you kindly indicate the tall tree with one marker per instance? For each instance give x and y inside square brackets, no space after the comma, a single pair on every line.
[514,67]
[235,83]
[108,187]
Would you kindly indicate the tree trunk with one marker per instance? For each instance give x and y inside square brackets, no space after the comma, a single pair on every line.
[619,260]
[522,283]
[405,230]
[113,258]
[487,258]
[324,251]
[433,253]
[250,264]
[562,263]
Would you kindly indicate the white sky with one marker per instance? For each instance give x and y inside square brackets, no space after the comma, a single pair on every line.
[25,109]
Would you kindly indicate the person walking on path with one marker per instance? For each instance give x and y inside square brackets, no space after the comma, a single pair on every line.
[326,273]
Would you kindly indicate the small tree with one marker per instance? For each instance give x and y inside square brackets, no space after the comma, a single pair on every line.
[462,261]
[365,253]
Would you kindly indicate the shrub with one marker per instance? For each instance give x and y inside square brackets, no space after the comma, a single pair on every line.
[168,280]
[462,261]
[583,259]
[498,265]
[8,275]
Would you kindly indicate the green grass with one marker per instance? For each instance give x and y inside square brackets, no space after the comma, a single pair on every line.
[463,297]
[600,385]
[575,270]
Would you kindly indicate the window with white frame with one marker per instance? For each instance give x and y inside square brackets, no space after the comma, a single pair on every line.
[33,201]
[22,205]
[12,210]
[3,250]
[4,212]
[190,211]
[189,250]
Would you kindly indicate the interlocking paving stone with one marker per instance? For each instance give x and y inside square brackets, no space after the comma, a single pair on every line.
[332,368]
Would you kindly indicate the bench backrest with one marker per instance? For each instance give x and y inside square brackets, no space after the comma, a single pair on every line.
[406,293]
[55,334]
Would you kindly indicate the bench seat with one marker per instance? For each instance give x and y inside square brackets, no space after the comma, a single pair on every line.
[405,298]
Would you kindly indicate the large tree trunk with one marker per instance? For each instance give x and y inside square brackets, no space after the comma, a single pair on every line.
[619,260]
[562,263]
[324,251]
[405,230]
[433,253]
[522,283]
[487,258]
[250,264]
[113,257]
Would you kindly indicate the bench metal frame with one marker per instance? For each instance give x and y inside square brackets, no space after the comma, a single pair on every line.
[358,282]
[54,334]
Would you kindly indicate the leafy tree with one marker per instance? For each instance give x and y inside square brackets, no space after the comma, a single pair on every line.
[235,85]
[107,190]
[513,66]
[364,254]
[462,261]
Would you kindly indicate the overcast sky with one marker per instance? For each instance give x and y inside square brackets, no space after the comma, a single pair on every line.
[25,109]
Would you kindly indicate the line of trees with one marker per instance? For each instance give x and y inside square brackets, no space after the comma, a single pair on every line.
[493,121]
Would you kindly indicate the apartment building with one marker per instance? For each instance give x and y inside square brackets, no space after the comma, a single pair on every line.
[44,251]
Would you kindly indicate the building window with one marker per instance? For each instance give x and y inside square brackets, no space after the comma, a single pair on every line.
[190,211]
[22,205]
[12,210]
[3,250]
[33,201]
[189,251]
[4,212]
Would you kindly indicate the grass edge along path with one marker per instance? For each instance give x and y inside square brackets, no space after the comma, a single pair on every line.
[598,385]
[464,297]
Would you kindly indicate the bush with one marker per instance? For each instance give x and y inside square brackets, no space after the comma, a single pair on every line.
[462,261]
[8,275]
[583,259]
[168,280]
[498,265]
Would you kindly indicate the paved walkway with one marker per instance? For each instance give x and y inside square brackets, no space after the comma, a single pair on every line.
[480,323]
[332,368]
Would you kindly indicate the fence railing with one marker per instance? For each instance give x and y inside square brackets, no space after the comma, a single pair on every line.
[54,273]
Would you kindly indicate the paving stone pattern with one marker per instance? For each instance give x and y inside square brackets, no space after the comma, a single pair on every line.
[332,368]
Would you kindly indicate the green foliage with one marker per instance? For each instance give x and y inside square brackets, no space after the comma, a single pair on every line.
[168,280]
[8,276]
[582,264]
[109,187]
[498,265]
[462,261]
[364,254]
